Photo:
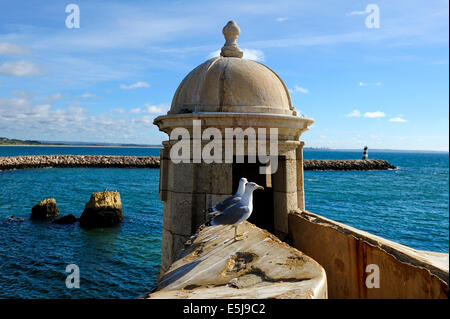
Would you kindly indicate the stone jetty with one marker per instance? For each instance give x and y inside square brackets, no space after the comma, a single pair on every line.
[346,165]
[58,161]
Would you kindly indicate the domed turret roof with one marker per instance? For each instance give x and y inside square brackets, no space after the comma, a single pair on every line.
[231,84]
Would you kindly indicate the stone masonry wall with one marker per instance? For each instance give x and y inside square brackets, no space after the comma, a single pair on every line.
[345,252]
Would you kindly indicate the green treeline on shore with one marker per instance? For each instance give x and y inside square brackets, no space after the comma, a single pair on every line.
[7,141]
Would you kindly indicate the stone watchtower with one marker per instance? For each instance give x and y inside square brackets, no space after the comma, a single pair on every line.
[227,93]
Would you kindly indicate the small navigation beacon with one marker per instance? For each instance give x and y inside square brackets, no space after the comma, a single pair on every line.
[365,154]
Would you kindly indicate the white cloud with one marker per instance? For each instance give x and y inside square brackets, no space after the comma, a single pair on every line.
[357,113]
[7,48]
[150,109]
[86,95]
[301,89]
[282,19]
[118,110]
[354,113]
[250,54]
[53,98]
[136,85]
[20,68]
[397,119]
[19,115]
[214,54]
[367,84]
[154,109]
[255,55]
[376,114]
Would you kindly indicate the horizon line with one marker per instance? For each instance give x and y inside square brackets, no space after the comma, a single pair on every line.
[131,145]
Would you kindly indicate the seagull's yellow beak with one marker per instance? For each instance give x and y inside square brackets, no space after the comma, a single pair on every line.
[260,187]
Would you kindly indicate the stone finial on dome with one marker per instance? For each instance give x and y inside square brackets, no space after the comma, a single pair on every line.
[230,49]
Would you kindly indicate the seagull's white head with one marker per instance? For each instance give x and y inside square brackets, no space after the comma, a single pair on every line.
[249,188]
[253,186]
[242,182]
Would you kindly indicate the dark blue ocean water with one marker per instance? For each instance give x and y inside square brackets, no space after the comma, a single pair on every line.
[409,205]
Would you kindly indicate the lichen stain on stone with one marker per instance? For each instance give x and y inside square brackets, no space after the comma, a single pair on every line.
[197,252]
[294,261]
[238,264]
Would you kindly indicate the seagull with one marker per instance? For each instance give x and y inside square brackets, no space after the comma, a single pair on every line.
[220,207]
[237,213]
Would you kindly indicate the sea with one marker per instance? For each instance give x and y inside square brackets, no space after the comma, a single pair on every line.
[409,205]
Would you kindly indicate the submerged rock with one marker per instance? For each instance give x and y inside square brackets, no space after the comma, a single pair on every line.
[45,209]
[68,219]
[103,209]
[13,218]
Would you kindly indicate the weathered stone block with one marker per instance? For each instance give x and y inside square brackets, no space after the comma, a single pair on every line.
[177,213]
[221,179]
[283,204]
[166,249]
[180,177]
[285,179]
[213,265]
[201,178]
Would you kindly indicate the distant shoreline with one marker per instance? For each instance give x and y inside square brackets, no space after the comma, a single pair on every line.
[381,150]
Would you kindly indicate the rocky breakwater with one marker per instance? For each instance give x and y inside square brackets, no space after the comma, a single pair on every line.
[346,165]
[214,265]
[42,161]
[103,209]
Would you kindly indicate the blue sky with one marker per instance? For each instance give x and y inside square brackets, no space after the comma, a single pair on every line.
[383,87]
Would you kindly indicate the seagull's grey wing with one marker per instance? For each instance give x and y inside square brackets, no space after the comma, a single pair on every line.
[227,203]
[231,215]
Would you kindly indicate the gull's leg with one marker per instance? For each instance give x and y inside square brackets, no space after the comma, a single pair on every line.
[236,235]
